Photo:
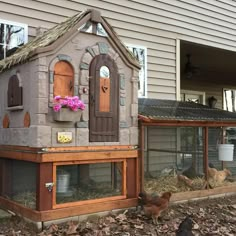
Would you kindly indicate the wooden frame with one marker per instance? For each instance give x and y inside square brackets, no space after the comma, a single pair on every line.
[42,216]
[147,122]
[54,154]
[86,202]
[48,159]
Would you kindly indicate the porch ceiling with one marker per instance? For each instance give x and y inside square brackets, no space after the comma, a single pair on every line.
[212,62]
[166,110]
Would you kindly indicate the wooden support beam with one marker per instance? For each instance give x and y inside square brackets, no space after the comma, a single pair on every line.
[141,155]
[104,206]
[87,209]
[88,156]
[132,178]
[44,194]
[20,209]
[205,156]
[21,155]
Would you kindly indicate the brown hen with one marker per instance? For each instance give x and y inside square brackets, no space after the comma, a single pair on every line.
[155,208]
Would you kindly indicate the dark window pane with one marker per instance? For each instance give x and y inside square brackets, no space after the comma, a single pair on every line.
[1,52]
[19,182]
[87,27]
[11,37]
[14,36]
[1,33]
[101,31]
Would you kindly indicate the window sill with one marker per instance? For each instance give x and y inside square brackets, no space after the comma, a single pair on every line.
[15,108]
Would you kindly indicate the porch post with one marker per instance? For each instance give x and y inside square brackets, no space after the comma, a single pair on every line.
[205,156]
[141,155]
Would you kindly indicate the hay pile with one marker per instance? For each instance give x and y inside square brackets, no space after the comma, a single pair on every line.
[27,199]
[171,183]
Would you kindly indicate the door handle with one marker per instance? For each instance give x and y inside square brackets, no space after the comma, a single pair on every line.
[71,85]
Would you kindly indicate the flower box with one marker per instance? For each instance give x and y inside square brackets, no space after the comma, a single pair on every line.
[65,114]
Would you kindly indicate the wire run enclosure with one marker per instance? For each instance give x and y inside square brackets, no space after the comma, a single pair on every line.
[184,157]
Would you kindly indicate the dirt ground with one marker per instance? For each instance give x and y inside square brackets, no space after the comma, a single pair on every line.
[211,217]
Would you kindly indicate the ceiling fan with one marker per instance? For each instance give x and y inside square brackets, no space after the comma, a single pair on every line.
[190,69]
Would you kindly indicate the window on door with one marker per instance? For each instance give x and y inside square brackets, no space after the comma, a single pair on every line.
[12,36]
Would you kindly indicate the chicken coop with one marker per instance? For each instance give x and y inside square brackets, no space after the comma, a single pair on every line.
[69,122]
[187,148]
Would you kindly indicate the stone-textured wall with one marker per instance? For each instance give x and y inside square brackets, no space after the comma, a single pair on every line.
[37,82]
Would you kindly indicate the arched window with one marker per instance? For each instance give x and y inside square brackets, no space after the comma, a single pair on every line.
[14,92]
[63,79]
[104,89]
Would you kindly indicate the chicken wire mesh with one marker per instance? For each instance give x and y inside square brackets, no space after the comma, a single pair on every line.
[19,182]
[174,158]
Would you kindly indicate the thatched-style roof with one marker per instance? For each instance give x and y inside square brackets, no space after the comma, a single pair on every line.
[164,110]
[49,37]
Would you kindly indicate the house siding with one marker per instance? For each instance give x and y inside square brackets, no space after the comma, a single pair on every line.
[153,24]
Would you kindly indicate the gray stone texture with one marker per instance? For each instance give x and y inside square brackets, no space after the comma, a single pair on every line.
[122,101]
[82,136]
[122,81]
[81,124]
[90,51]
[123,114]
[36,78]
[38,119]
[103,48]
[84,77]
[40,136]
[124,137]
[63,57]
[124,124]
[87,58]
[134,110]
[84,66]
[134,135]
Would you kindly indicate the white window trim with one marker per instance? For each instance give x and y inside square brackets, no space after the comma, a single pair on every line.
[25,26]
[177,64]
[223,92]
[193,92]
[145,66]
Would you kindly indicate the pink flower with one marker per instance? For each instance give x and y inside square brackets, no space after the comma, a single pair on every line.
[57,107]
[73,103]
[57,98]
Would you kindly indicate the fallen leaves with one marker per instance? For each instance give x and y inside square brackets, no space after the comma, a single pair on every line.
[210,217]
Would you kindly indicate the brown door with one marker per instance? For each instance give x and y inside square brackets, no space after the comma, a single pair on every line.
[63,79]
[103,100]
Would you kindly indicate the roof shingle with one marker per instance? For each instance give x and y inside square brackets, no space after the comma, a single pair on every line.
[158,109]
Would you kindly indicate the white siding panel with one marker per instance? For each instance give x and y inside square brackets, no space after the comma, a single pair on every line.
[161,138]
[162,82]
[161,61]
[155,24]
[162,75]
